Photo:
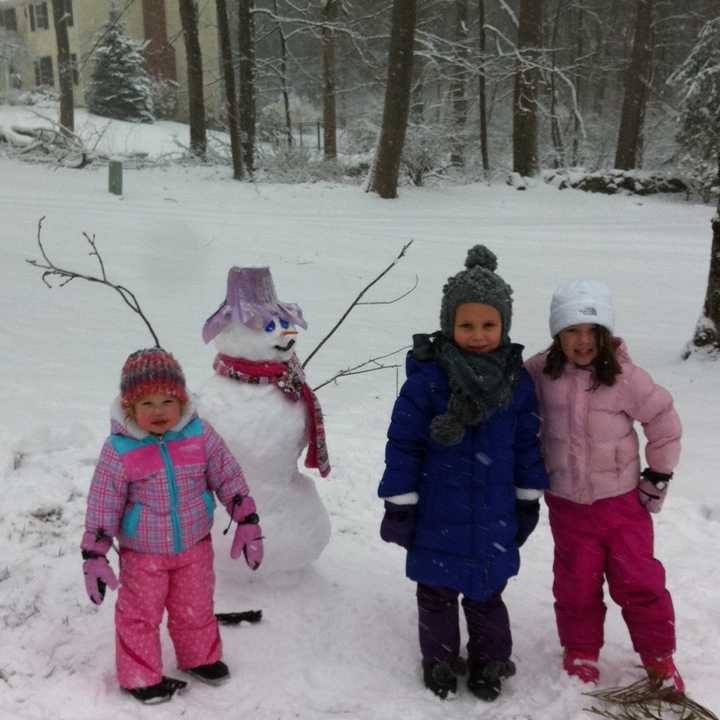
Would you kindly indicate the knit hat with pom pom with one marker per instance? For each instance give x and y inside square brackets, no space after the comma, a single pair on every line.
[150,371]
[477,284]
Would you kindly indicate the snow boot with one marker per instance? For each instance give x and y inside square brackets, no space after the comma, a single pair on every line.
[158,693]
[582,665]
[458,665]
[485,681]
[662,670]
[439,677]
[214,674]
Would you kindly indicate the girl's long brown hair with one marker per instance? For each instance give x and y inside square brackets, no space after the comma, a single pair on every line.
[605,366]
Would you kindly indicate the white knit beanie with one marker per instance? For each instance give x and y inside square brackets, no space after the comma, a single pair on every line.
[579,302]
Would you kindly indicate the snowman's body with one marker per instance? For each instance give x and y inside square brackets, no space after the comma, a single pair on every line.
[266,432]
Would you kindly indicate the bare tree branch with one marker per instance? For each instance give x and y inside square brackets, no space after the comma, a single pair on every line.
[394,300]
[356,301]
[50,269]
[361,368]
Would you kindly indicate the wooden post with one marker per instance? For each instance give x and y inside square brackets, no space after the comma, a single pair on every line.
[115,177]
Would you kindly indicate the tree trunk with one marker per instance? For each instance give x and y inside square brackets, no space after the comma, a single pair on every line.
[330,12]
[386,168]
[196,97]
[579,52]
[231,102]
[65,70]
[527,76]
[555,129]
[283,77]
[482,91]
[247,72]
[637,80]
[707,331]
[458,84]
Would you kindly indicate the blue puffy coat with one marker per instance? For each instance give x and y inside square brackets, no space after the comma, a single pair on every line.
[465,517]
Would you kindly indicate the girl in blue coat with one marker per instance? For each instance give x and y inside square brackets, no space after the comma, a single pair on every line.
[463,477]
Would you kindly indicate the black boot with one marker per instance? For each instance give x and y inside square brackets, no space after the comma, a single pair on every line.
[158,693]
[439,678]
[213,674]
[485,681]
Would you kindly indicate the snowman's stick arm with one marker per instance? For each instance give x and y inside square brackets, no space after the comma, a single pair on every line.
[50,269]
[358,369]
[356,301]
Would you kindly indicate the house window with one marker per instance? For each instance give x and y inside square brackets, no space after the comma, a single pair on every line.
[8,19]
[38,16]
[44,71]
[74,66]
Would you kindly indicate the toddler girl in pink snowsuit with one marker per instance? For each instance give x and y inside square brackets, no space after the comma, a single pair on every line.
[590,394]
[153,489]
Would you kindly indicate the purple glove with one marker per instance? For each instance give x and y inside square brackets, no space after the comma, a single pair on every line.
[248,535]
[398,524]
[96,568]
[652,489]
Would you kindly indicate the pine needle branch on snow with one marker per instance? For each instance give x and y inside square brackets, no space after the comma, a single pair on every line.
[647,700]
[50,269]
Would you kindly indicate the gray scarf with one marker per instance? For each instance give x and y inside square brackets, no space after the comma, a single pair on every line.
[480,383]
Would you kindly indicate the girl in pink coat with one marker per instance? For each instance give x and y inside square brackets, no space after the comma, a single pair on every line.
[154,490]
[590,395]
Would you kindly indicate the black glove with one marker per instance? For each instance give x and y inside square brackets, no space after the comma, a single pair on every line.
[652,489]
[398,524]
[527,513]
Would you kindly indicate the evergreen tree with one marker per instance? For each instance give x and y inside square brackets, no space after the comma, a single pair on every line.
[121,87]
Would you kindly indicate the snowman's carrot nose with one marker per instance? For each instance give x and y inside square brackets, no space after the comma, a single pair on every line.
[288,332]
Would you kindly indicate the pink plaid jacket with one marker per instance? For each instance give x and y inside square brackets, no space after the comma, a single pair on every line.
[156,494]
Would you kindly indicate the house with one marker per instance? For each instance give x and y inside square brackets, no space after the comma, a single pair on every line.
[28,48]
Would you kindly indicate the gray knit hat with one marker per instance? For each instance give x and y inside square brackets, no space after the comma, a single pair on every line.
[477,284]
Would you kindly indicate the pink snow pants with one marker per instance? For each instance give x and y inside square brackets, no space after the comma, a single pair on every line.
[182,583]
[611,538]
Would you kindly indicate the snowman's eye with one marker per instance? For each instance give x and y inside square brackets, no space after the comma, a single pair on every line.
[270,326]
[284,324]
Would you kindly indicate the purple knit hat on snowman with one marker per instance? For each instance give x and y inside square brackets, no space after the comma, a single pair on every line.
[251,300]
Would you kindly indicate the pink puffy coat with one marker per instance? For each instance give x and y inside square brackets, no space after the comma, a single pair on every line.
[590,446]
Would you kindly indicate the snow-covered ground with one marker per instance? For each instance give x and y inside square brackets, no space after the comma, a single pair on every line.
[340,638]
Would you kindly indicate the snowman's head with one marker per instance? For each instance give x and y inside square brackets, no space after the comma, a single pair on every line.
[273,342]
[251,322]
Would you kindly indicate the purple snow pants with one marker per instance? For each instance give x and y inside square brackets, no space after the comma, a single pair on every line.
[611,538]
[488,626]
[182,583]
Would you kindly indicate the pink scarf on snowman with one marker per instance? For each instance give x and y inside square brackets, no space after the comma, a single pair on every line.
[290,380]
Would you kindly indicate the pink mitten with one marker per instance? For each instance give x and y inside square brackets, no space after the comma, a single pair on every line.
[96,568]
[652,489]
[248,541]
[98,575]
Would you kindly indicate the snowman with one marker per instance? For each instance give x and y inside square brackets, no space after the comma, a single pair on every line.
[259,402]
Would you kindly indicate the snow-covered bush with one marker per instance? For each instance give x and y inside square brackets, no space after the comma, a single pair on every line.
[424,151]
[120,87]
[272,123]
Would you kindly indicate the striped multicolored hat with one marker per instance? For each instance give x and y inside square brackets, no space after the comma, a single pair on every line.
[150,371]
